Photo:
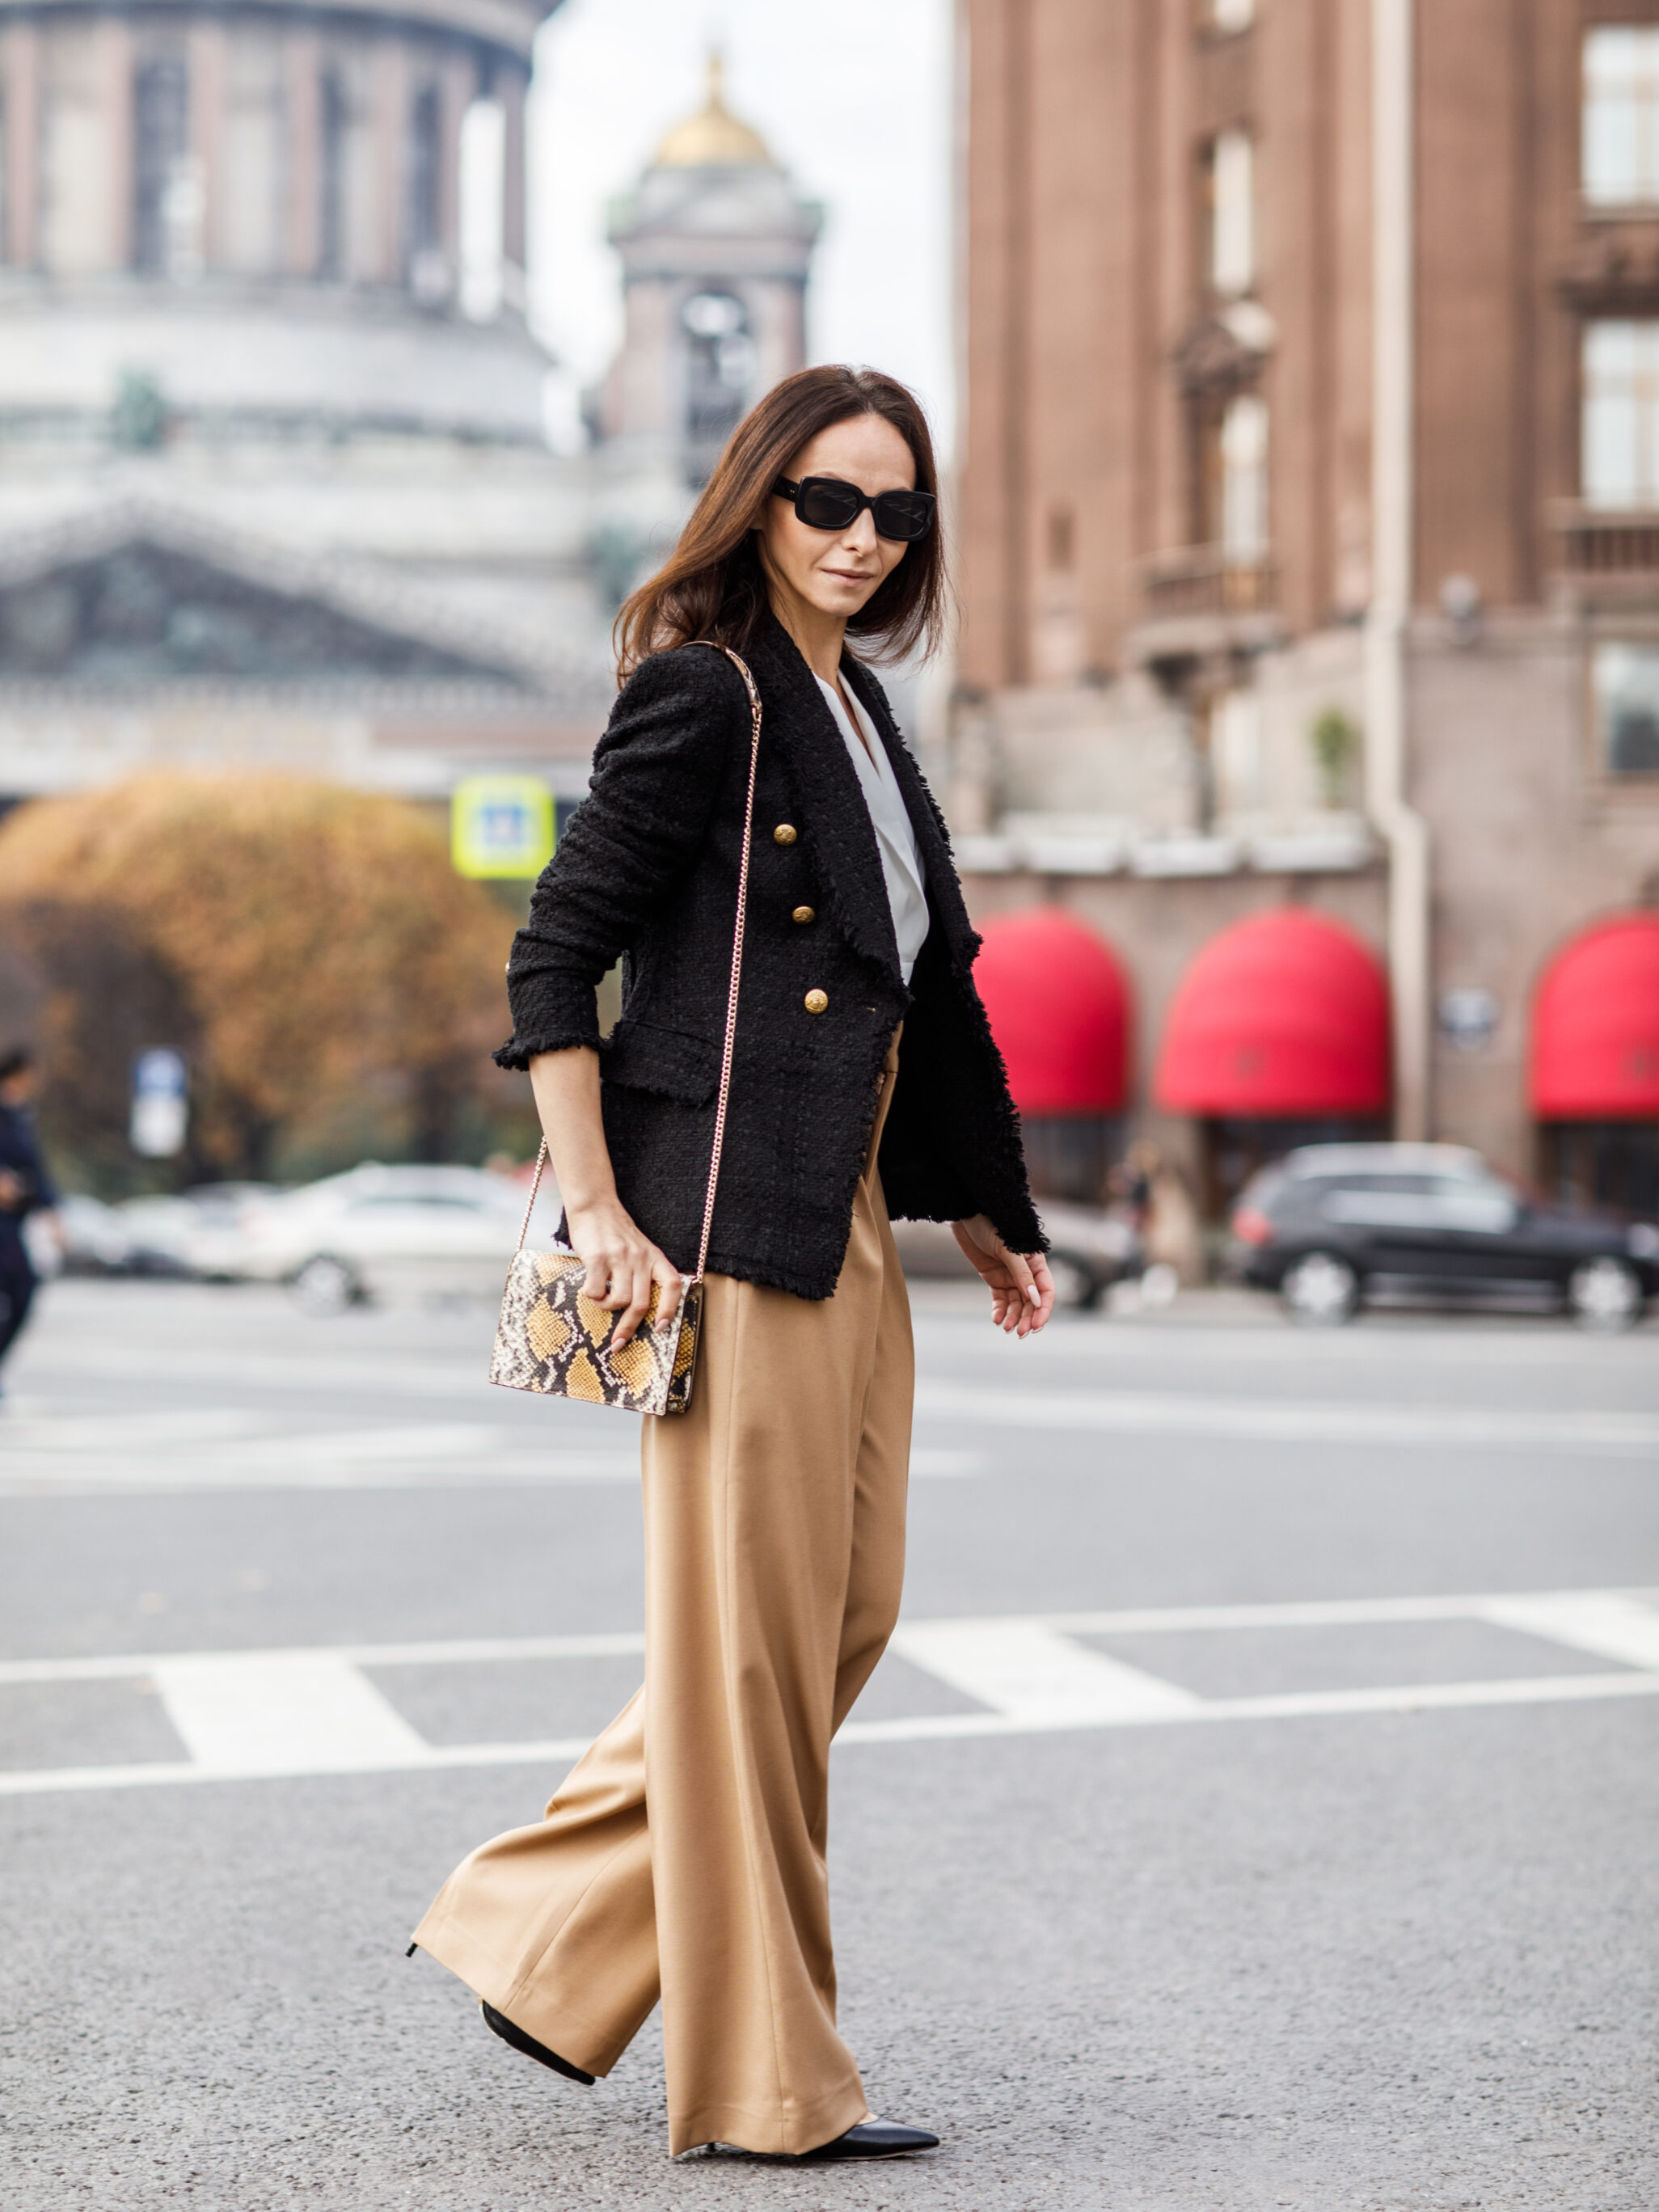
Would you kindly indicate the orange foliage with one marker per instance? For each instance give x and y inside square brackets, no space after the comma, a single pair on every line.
[317,936]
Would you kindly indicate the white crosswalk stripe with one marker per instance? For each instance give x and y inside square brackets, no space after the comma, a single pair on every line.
[272,1714]
[1291,1420]
[286,1712]
[1025,1671]
[216,1448]
[1607,1623]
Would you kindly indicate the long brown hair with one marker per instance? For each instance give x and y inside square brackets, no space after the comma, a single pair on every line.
[713,584]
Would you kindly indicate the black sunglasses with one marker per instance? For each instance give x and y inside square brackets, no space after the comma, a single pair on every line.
[827,503]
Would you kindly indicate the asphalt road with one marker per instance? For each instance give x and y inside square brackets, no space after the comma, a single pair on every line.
[1260,1808]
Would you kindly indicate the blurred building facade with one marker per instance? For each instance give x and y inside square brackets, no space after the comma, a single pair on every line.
[275,480]
[1310,521]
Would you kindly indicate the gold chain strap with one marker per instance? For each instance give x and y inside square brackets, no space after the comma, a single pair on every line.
[535,1185]
[737,953]
[730,1042]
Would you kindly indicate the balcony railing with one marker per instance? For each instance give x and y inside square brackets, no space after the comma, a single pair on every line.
[1206,579]
[1603,541]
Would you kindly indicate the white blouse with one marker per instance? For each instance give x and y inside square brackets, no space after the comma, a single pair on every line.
[901,863]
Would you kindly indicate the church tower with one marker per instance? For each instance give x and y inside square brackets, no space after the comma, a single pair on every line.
[716,248]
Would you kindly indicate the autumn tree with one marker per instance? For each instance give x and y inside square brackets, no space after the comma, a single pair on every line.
[308,948]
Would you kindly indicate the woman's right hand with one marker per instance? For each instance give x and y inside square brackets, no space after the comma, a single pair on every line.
[623,1265]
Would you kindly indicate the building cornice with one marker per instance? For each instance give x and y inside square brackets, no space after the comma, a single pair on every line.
[508,26]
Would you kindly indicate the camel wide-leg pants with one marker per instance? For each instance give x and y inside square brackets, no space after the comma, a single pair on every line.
[684,1857]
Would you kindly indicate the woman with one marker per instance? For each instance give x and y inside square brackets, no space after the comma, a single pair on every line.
[685,1856]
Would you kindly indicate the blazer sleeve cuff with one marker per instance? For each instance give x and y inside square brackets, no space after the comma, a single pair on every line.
[522,1047]
[1019,1228]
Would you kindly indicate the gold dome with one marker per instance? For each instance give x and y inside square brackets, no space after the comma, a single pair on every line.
[714,138]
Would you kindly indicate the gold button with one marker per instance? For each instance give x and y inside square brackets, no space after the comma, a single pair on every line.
[805,913]
[816,1002]
[784,834]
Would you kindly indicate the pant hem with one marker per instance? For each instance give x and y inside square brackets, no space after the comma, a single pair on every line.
[580,2043]
[768,2133]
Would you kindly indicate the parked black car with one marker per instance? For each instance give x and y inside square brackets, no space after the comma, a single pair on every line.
[1329,1223]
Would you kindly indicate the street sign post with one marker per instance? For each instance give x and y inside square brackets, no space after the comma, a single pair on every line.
[501,826]
[161,1104]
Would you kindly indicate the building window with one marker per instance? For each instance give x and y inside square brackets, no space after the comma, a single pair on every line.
[1614,1165]
[720,373]
[1229,14]
[1230,191]
[425,161]
[1621,458]
[160,152]
[331,212]
[1062,539]
[1243,444]
[428,271]
[1625,703]
[1619,158]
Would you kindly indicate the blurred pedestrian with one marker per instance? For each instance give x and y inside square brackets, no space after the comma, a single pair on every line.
[26,1188]
[1175,1227]
[1130,1185]
[685,1856]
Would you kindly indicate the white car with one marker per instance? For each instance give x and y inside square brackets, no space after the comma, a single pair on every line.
[195,1232]
[393,1232]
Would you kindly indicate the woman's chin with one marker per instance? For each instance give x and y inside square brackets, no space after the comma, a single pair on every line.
[842,600]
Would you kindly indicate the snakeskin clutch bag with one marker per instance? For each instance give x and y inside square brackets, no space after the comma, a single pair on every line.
[553,1338]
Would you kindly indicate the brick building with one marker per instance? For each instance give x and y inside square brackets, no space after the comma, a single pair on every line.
[1310,519]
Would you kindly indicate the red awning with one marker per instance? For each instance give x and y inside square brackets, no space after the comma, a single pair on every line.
[1286,1014]
[1595,1026]
[1060,1010]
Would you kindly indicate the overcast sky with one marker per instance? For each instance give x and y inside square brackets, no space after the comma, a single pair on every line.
[853,97]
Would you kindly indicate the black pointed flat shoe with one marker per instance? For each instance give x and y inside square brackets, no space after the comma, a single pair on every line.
[499,2025]
[871,2139]
[866,2139]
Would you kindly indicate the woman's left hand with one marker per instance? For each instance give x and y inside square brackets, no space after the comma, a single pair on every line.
[1022,1289]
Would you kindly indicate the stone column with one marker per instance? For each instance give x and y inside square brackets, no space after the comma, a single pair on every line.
[509,90]
[115,119]
[206,48]
[303,209]
[389,121]
[20,63]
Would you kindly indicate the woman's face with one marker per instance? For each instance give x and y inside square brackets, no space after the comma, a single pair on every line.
[837,571]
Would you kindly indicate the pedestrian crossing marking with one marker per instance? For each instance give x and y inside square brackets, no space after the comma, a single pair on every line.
[1605,1623]
[283,1713]
[219,1449]
[1291,1420]
[1027,1672]
[1296,1704]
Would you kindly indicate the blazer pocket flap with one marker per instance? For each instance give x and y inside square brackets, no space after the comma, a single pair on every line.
[671,1063]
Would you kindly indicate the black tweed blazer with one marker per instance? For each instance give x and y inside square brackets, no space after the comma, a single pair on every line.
[647,869]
